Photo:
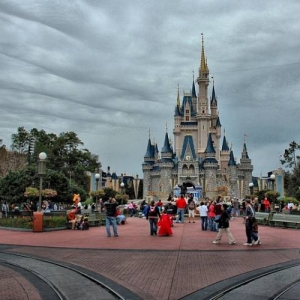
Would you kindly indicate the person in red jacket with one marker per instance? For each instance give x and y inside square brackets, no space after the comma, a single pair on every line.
[181,205]
[267,204]
[164,224]
[211,216]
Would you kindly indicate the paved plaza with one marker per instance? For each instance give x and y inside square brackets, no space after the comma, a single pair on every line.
[153,267]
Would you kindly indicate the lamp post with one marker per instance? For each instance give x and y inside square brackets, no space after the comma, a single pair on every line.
[97,177]
[41,173]
[251,188]
[272,178]
[122,187]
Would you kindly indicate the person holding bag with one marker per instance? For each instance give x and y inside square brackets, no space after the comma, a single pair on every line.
[223,223]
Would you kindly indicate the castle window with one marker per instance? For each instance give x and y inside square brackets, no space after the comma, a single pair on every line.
[187,118]
[187,112]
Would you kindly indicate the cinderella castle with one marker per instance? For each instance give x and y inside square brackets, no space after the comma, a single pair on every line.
[200,159]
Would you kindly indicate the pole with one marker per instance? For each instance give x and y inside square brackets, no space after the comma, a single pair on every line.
[40,193]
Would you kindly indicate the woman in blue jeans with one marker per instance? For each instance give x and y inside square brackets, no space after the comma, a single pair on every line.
[152,215]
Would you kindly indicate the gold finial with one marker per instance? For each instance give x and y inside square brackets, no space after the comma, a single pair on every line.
[193,76]
[213,80]
[178,100]
[224,131]
[149,134]
[167,127]
[245,135]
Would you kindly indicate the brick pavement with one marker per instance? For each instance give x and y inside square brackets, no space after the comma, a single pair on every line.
[160,267]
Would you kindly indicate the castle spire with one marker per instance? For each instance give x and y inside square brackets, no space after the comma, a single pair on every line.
[231,161]
[203,63]
[210,147]
[178,100]
[194,95]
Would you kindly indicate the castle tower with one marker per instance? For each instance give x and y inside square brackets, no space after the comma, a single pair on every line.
[233,176]
[148,164]
[224,155]
[197,156]
[245,168]
[203,115]
[210,165]
[166,166]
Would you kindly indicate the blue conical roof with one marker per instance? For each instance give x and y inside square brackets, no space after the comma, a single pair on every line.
[245,151]
[213,97]
[218,123]
[210,147]
[149,151]
[166,147]
[225,145]
[231,160]
[194,90]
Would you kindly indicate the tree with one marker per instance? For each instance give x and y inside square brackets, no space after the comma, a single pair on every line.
[289,157]
[292,177]
[14,184]
[11,161]
[64,153]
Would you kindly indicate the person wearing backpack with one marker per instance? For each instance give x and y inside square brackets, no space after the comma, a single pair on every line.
[191,209]
[152,215]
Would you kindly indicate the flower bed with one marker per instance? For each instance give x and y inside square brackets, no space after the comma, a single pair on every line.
[49,222]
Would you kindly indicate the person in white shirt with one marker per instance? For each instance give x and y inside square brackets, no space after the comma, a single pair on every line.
[203,215]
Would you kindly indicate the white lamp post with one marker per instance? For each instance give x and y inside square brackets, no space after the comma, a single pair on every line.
[41,173]
[272,178]
[122,187]
[251,188]
[97,177]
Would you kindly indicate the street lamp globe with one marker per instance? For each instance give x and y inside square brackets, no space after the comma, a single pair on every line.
[272,177]
[122,184]
[97,176]
[251,184]
[42,156]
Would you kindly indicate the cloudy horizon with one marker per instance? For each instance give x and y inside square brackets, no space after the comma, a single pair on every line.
[109,70]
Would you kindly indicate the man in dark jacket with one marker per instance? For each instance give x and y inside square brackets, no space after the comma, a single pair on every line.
[111,213]
[152,215]
[224,226]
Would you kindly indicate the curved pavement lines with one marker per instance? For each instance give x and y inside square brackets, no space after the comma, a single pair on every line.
[71,282]
[160,268]
[265,283]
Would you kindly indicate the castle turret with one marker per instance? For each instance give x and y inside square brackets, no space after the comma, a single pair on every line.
[233,176]
[224,154]
[148,164]
[246,168]
[203,115]
[210,165]
[194,95]
[166,165]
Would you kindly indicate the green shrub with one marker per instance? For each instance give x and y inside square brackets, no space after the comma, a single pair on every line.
[27,222]
[54,221]
[24,222]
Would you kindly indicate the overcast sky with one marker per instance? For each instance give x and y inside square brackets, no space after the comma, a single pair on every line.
[108,70]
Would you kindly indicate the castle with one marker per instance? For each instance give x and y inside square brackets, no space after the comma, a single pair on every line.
[197,158]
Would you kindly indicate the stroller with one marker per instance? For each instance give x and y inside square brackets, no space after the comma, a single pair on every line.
[82,223]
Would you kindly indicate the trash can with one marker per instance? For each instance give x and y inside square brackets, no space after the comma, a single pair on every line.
[38,221]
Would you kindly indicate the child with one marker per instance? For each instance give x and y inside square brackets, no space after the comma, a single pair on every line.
[255,237]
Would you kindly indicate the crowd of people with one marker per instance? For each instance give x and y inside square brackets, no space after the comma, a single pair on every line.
[215,215]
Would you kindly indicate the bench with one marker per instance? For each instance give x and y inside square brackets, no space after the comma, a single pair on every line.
[262,218]
[94,218]
[285,220]
[20,214]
